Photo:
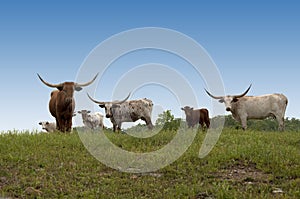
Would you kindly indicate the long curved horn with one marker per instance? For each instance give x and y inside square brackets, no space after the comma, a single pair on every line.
[242,95]
[115,102]
[97,102]
[88,83]
[48,84]
[215,97]
[120,102]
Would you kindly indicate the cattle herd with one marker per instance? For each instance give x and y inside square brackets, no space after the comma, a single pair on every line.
[242,108]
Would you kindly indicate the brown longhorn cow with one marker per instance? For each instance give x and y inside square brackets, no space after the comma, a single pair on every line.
[62,103]
[194,117]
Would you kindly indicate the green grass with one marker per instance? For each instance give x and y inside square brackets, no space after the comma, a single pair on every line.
[249,164]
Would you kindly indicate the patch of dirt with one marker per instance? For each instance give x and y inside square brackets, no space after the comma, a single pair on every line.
[246,173]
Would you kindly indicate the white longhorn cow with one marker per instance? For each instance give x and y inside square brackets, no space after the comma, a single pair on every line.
[255,107]
[91,120]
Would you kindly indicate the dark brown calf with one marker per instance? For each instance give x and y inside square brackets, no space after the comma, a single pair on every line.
[194,117]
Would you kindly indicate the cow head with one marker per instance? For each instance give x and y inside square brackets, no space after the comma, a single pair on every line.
[109,106]
[68,87]
[84,113]
[229,99]
[188,111]
[46,125]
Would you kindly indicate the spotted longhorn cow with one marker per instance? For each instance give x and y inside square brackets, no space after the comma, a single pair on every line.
[255,107]
[127,111]
[62,103]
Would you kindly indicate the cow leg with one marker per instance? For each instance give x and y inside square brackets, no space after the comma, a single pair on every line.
[148,122]
[280,121]
[119,126]
[66,127]
[244,123]
[201,124]
[61,123]
[207,123]
[69,125]
[92,126]
[114,127]
[63,126]
[57,124]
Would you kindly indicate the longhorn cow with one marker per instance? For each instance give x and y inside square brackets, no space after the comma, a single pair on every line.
[255,107]
[127,111]
[62,103]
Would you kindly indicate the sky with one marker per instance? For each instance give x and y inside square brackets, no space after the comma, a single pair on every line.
[250,42]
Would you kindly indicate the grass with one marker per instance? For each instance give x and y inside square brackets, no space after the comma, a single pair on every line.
[249,164]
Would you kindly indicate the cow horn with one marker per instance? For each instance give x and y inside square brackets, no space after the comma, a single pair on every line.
[215,97]
[242,95]
[48,84]
[88,83]
[120,102]
[97,102]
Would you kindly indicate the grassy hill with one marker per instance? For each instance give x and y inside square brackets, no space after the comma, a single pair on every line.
[250,164]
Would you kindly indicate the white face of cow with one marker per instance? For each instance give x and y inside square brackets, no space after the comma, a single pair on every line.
[84,113]
[48,126]
[109,108]
[228,101]
[44,125]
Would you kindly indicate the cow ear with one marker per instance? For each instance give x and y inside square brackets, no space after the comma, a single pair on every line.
[221,101]
[40,123]
[47,122]
[78,88]
[182,109]
[88,111]
[102,106]
[235,99]
[79,112]
[60,88]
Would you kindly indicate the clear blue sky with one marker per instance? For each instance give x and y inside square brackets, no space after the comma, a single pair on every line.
[254,42]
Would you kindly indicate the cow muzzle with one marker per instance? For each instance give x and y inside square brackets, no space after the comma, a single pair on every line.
[228,109]
[69,100]
[108,115]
